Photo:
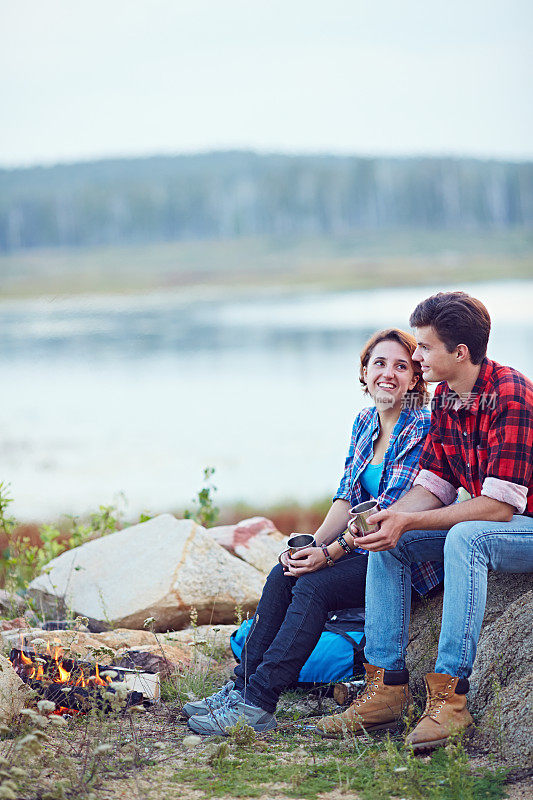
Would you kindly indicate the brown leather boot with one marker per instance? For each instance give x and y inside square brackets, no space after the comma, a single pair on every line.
[444,715]
[379,706]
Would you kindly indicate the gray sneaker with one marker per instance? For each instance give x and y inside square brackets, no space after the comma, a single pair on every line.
[232,711]
[199,707]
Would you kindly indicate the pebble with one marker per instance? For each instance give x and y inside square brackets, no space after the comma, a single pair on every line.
[192,741]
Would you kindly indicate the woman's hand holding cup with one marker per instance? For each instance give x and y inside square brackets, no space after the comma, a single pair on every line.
[292,562]
[305,559]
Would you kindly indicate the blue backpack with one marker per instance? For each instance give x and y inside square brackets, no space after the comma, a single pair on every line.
[338,655]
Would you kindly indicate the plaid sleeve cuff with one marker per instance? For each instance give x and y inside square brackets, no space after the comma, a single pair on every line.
[506,492]
[437,486]
[341,497]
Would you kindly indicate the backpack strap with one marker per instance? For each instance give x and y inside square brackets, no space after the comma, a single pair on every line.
[358,647]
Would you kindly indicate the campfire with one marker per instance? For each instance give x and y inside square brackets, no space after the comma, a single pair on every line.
[76,686]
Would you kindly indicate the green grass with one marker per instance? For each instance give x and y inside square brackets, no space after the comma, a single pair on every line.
[190,685]
[375,772]
[107,756]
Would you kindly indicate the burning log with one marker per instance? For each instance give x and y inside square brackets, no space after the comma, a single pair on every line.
[77,686]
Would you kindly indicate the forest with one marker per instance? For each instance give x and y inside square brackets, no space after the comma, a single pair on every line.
[222,195]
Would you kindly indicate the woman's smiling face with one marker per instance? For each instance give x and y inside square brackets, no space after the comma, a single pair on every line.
[389,373]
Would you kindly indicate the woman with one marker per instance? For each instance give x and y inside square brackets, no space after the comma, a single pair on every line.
[299,593]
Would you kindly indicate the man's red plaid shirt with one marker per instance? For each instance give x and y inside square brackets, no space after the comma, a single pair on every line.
[484,444]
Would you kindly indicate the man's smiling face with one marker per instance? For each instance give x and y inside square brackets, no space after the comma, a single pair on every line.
[436,362]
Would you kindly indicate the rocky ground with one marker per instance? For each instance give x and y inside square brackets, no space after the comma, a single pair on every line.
[149,753]
[152,755]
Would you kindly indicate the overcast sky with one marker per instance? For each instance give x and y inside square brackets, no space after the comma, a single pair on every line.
[93,78]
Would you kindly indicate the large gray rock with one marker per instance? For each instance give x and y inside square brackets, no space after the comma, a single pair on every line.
[500,697]
[161,568]
[502,682]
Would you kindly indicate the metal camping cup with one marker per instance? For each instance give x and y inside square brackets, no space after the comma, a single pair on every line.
[296,542]
[358,525]
[299,540]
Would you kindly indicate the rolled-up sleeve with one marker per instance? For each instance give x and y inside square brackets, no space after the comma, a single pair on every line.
[442,489]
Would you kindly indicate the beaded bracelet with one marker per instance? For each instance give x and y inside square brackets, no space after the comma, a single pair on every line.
[344,544]
[329,560]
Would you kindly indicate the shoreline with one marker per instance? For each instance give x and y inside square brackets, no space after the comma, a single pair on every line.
[363,260]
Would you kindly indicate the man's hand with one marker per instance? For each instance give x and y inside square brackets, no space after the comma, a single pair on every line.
[392,525]
[308,559]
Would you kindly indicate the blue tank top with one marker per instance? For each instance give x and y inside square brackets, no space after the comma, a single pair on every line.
[370,478]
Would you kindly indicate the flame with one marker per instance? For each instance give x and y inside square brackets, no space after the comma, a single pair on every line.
[38,669]
[58,652]
[81,680]
[96,679]
[63,674]
[25,659]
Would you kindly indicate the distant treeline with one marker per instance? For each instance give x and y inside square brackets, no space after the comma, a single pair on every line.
[232,194]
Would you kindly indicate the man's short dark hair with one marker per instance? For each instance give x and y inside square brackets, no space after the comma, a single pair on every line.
[457,318]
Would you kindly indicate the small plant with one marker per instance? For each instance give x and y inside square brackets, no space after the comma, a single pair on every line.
[241,734]
[22,561]
[459,778]
[7,527]
[193,618]
[191,684]
[7,523]
[494,716]
[218,755]
[205,513]
[239,616]
[203,675]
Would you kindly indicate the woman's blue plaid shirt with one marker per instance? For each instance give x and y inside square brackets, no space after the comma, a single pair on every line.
[400,468]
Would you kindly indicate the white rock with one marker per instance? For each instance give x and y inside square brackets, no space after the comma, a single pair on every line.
[13,692]
[161,568]
[255,540]
[262,552]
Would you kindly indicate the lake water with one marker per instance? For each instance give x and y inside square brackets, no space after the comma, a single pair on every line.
[136,395]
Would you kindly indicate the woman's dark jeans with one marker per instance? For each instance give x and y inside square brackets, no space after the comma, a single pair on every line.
[288,622]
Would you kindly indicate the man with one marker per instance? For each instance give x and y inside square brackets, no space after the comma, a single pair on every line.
[481,438]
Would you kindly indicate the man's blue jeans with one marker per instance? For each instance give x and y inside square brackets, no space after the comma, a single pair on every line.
[469,550]
[288,622]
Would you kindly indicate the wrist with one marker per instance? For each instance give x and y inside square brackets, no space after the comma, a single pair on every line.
[349,538]
[334,550]
[345,544]
[327,555]
[411,521]
[320,538]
